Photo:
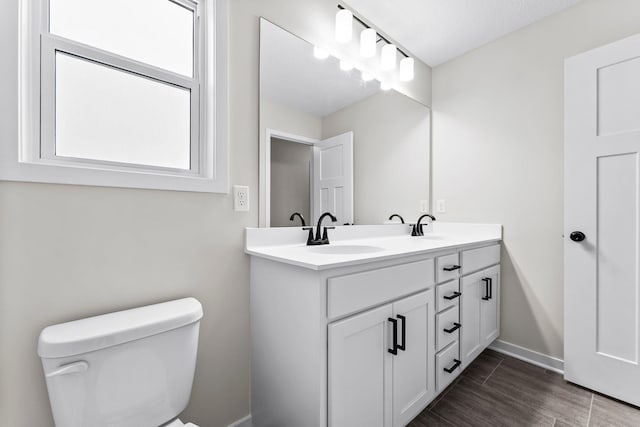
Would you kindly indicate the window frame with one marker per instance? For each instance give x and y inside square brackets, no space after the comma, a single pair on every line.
[33,159]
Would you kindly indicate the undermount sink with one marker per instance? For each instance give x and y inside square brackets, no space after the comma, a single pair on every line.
[344,249]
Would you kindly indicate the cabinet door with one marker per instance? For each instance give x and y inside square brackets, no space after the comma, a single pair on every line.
[413,367]
[472,288]
[490,309]
[360,370]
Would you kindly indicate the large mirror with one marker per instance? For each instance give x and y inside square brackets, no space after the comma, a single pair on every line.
[330,141]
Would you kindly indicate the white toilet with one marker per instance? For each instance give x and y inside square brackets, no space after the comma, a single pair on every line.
[132,368]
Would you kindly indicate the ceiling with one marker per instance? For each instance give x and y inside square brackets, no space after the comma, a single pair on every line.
[436,31]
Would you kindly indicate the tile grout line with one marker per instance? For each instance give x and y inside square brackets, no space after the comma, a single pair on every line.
[442,395]
[590,409]
[489,376]
[442,418]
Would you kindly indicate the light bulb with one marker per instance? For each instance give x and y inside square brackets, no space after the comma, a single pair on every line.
[345,65]
[366,76]
[406,69]
[368,40]
[344,26]
[320,53]
[388,57]
[385,85]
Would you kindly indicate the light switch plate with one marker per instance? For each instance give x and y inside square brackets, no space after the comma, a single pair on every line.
[441,206]
[240,198]
[424,206]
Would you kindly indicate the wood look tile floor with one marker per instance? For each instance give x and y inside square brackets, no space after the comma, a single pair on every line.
[498,390]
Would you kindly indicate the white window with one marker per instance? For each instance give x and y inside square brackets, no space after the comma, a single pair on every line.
[128,93]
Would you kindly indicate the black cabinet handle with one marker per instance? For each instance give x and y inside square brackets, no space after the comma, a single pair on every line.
[456,363]
[394,350]
[488,291]
[403,332]
[454,295]
[452,267]
[454,328]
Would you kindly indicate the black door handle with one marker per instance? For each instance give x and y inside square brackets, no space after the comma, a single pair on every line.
[454,367]
[451,330]
[403,332]
[577,236]
[394,350]
[452,268]
[488,292]
[454,295]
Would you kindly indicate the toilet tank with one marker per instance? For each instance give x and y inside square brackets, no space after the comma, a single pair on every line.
[131,368]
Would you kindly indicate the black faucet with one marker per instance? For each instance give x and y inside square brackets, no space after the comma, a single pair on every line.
[320,239]
[396,216]
[299,215]
[417,228]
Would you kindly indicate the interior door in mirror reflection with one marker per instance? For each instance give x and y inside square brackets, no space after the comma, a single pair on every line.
[333,177]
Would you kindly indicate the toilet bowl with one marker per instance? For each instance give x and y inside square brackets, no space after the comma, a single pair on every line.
[131,368]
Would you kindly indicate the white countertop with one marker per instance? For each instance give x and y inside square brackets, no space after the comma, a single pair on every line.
[368,243]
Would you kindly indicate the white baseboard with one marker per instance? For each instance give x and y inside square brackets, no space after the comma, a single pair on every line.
[544,361]
[242,422]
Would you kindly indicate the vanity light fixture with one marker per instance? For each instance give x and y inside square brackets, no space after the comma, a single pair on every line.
[320,53]
[388,57]
[369,38]
[344,26]
[406,69]
[368,43]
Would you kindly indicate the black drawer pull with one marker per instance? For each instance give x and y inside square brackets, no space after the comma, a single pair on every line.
[454,328]
[454,295]
[452,267]
[456,363]
[488,291]
[403,333]
[394,350]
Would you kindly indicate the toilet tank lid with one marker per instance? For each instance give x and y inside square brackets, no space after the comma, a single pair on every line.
[94,333]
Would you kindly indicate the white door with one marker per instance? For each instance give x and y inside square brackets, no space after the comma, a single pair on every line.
[602,142]
[333,177]
[413,370]
[360,370]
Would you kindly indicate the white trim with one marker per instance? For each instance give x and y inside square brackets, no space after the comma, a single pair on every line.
[242,422]
[270,133]
[530,356]
[19,161]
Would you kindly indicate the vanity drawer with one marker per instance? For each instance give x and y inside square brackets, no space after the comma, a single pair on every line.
[477,259]
[447,366]
[354,292]
[447,327]
[447,267]
[448,295]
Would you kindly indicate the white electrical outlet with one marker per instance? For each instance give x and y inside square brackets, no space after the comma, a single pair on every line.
[240,198]
[441,206]
[424,206]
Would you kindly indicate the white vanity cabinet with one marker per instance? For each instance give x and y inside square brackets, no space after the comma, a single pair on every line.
[366,344]
[382,355]
[480,316]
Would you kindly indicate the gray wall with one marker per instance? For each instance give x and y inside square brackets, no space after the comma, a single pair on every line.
[391,152]
[290,182]
[498,150]
[72,251]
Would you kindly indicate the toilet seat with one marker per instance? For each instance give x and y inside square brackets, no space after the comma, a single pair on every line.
[178,423]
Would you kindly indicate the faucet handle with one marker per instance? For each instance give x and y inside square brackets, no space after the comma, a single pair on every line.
[310,236]
[325,236]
